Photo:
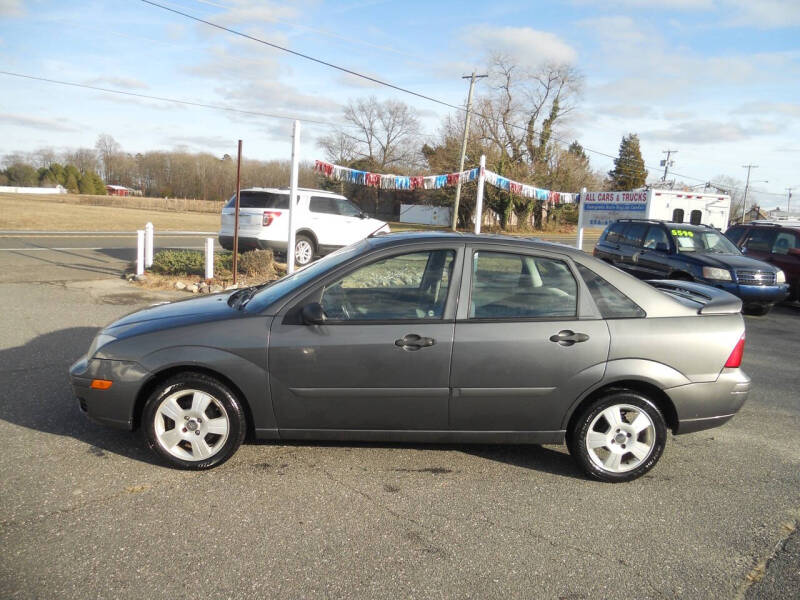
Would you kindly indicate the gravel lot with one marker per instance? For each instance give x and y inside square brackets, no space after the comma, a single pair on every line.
[88,512]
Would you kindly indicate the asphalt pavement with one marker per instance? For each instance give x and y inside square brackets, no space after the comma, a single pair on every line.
[87,511]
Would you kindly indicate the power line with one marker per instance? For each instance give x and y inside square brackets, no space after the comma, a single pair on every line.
[396,87]
[165,99]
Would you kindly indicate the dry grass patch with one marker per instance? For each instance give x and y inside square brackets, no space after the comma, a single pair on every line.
[19,212]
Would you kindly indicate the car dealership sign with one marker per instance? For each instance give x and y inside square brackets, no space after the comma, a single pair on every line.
[602,208]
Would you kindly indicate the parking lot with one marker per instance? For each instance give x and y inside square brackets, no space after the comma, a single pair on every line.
[89,512]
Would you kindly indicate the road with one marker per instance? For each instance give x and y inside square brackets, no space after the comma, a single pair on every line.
[89,512]
[77,256]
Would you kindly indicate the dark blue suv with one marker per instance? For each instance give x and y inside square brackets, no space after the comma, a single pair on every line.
[664,250]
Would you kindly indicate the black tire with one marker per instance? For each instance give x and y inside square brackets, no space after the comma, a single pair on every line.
[298,244]
[223,404]
[757,310]
[654,436]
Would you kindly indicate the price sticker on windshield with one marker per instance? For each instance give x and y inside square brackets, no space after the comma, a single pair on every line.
[682,233]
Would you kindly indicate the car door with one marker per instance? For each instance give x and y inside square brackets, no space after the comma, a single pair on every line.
[785,255]
[528,341]
[381,359]
[653,259]
[323,216]
[759,241]
[630,247]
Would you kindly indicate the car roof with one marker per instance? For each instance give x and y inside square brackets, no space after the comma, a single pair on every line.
[762,223]
[400,237]
[670,224]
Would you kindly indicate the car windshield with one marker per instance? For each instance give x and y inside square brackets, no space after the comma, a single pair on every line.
[287,284]
[702,241]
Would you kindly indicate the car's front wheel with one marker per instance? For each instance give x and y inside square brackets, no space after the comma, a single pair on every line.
[193,421]
[618,437]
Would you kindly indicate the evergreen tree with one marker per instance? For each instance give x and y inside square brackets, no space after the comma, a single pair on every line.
[628,172]
[86,184]
[71,184]
[576,150]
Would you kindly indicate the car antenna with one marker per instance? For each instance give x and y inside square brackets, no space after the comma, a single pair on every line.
[374,233]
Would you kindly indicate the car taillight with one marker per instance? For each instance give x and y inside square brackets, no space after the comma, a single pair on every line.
[269,217]
[735,359]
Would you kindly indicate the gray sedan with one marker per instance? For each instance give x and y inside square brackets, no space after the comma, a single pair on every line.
[427,337]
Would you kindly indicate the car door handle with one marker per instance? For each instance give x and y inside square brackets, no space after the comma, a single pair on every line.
[568,337]
[412,341]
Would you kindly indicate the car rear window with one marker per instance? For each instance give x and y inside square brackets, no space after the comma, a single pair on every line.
[612,303]
[259,200]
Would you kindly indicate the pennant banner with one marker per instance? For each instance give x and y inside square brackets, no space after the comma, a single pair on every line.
[436,182]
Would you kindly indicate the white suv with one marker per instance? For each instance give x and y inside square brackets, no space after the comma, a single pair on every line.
[323,222]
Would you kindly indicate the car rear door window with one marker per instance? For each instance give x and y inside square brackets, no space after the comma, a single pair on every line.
[323,204]
[612,303]
[634,234]
[513,286]
[784,241]
[407,286]
[346,208]
[614,232]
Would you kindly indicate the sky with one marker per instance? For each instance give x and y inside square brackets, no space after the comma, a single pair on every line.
[717,80]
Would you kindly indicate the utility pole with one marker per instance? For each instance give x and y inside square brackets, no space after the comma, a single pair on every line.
[666,164]
[472,79]
[746,187]
[788,201]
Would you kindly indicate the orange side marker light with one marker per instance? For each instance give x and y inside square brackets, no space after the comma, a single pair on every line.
[100,384]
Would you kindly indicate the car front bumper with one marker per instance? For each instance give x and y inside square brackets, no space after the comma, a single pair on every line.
[754,294]
[706,405]
[115,406]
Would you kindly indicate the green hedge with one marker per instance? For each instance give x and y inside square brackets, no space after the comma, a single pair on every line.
[256,263]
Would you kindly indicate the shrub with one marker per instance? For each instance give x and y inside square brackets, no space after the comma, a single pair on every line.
[256,263]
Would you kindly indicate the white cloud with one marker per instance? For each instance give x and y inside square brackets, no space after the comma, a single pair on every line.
[709,132]
[11,8]
[37,122]
[763,14]
[781,108]
[127,83]
[527,47]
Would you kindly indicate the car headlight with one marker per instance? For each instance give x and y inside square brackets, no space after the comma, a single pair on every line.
[717,274]
[780,277]
[100,340]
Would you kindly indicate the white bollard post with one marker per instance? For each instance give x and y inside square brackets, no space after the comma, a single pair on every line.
[293,196]
[479,197]
[209,258]
[140,252]
[579,244]
[148,245]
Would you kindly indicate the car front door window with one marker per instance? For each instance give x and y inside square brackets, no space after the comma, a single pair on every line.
[407,286]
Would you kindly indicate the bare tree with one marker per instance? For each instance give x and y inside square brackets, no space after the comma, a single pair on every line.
[109,152]
[385,135]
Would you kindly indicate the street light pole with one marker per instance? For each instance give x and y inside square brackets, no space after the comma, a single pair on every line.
[746,187]
[472,79]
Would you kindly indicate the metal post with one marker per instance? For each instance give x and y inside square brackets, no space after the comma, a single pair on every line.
[579,243]
[293,196]
[148,245]
[236,212]
[746,187]
[209,258]
[479,197]
[472,79]
[140,251]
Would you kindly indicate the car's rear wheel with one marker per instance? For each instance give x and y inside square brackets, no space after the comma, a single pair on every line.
[757,310]
[618,437]
[193,421]
[303,250]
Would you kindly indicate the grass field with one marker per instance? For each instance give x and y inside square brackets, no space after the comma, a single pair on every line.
[44,213]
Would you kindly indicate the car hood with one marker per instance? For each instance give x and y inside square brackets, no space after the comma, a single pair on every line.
[182,312]
[732,261]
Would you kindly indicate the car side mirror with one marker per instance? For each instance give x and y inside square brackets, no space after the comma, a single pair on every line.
[313,314]
[362,215]
[661,247]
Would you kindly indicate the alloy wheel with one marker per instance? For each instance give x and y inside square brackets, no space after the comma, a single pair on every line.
[620,438]
[191,425]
